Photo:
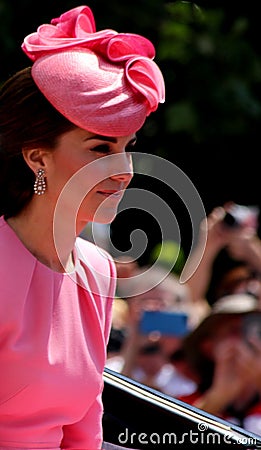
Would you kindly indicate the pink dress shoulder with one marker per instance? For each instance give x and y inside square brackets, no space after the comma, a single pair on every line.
[54,330]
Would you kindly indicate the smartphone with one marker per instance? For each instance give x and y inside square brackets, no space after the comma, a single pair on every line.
[252,326]
[242,216]
[164,322]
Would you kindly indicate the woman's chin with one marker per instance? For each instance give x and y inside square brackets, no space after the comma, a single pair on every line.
[105,215]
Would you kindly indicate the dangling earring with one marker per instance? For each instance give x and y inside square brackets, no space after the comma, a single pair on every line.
[40,184]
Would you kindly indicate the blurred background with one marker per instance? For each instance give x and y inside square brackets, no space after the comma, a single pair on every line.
[209,126]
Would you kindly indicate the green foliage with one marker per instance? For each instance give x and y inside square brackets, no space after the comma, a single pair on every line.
[212,73]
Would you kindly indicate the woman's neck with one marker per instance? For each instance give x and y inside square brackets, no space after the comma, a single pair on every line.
[51,246]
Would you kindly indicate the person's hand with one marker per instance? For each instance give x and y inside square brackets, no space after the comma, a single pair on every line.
[213,226]
[246,246]
[214,235]
[231,378]
[220,235]
[249,361]
[230,373]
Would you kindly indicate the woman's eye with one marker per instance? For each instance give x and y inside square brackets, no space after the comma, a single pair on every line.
[103,148]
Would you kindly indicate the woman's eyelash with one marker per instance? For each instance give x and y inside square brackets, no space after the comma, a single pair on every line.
[103,148]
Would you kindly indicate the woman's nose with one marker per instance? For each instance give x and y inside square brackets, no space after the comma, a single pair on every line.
[123,168]
[123,177]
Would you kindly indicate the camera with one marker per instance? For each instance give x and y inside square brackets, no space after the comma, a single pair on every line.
[241,216]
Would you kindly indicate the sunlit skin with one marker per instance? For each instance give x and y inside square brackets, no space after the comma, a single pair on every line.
[75,150]
[80,148]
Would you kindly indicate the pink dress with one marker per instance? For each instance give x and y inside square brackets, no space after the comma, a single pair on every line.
[54,328]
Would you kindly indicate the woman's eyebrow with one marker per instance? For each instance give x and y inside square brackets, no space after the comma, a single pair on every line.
[112,139]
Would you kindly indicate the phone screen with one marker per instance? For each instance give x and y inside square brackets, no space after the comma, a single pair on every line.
[164,322]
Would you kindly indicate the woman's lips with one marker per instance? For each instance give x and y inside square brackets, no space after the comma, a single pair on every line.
[110,193]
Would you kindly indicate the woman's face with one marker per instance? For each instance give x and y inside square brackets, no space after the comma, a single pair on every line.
[88,173]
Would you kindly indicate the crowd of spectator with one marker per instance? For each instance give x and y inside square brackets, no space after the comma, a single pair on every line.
[215,363]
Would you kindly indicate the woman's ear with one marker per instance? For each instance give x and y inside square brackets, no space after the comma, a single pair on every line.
[35,158]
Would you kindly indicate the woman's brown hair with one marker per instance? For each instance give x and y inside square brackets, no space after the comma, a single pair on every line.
[27,120]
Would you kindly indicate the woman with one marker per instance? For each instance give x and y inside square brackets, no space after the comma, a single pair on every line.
[66,126]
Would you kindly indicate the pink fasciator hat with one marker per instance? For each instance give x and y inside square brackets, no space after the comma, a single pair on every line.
[105,82]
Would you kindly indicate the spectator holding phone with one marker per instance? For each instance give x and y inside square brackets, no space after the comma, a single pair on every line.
[224,359]
[232,246]
[144,355]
